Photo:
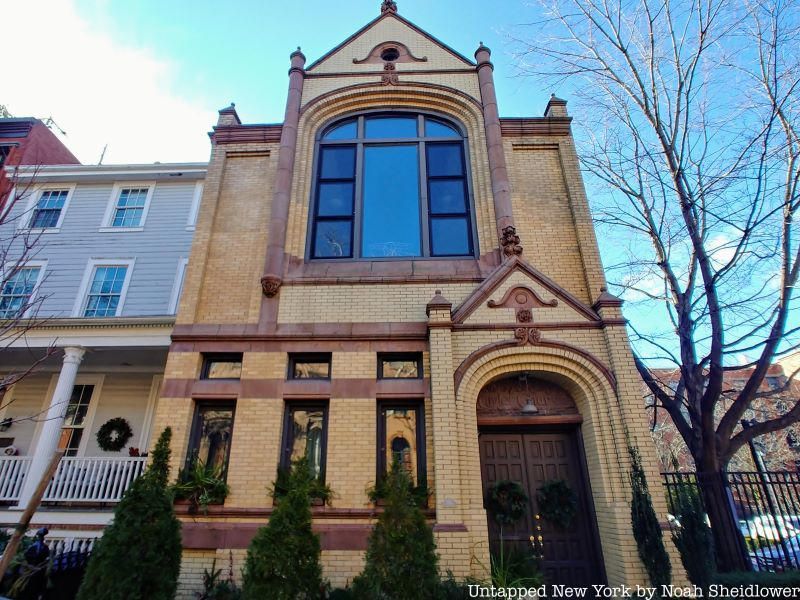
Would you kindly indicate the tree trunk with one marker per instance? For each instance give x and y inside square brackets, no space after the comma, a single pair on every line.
[729,547]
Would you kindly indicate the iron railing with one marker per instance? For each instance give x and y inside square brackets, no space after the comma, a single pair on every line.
[766,507]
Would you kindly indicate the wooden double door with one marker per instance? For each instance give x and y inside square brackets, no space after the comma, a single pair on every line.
[569,556]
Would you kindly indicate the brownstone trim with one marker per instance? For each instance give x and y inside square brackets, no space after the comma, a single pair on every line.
[481,352]
[554,326]
[537,420]
[535,126]
[299,332]
[465,70]
[404,52]
[291,389]
[264,512]
[242,134]
[400,85]
[450,528]
[501,273]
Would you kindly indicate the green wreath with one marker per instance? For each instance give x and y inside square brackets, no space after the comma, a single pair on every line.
[114,434]
[507,502]
[557,502]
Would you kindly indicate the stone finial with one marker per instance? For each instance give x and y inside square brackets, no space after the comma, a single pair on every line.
[438,302]
[388,6]
[556,107]
[509,242]
[483,55]
[606,299]
[228,116]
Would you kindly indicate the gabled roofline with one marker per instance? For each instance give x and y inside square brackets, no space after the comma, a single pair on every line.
[501,273]
[403,20]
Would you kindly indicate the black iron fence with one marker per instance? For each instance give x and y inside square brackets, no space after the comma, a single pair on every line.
[765,508]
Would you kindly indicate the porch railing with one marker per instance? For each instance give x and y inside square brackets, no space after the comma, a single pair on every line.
[12,475]
[93,479]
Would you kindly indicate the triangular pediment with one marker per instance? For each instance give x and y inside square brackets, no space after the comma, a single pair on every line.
[418,49]
[518,292]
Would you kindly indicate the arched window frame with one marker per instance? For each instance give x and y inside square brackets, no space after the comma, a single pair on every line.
[422,141]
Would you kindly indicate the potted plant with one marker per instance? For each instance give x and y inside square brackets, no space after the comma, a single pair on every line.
[201,485]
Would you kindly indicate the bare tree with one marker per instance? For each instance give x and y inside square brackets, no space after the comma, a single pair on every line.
[19,245]
[695,139]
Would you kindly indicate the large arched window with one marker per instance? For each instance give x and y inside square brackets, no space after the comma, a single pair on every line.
[391,185]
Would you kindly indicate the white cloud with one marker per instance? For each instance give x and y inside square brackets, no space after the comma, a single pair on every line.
[97,90]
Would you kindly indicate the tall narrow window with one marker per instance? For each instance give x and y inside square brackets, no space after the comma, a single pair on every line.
[401,439]
[17,291]
[47,213]
[74,420]
[304,435]
[105,291]
[391,186]
[210,441]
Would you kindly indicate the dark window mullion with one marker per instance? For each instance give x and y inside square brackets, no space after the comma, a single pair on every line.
[358,200]
[423,197]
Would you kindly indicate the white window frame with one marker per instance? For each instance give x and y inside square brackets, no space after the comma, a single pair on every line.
[177,286]
[111,208]
[33,200]
[97,380]
[41,264]
[88,275]
[194,210]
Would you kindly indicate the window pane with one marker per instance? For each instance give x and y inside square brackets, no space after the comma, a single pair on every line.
[311,369]
[332,239]
[400,368]
[391,224]
[447,196]
[345,131]
[16,291]
[338,162]
[401,440]
[306,433]
[449,236]
[335,199]
[439,129]
[444,160]
[224,370]
[215,427]
[390,127]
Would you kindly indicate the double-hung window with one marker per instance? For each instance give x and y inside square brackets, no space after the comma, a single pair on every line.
[16,293]
[212,431]
[391,186]
[49,208]
[75,419]
[128,206]
[104,288]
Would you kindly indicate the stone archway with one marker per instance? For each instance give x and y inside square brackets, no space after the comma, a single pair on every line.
[529,434]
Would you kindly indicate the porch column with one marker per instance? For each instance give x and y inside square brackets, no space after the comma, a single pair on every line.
[51,429]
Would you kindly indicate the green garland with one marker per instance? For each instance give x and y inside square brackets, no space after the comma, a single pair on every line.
[557,502]
[114,434]
[507,502]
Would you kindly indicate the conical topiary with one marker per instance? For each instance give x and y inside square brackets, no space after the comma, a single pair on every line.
[139,555]
[401,562]
[283,558]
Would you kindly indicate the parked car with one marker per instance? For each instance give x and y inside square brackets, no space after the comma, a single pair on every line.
[768,527]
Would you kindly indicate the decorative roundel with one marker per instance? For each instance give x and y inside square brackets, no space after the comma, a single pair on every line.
[114,434]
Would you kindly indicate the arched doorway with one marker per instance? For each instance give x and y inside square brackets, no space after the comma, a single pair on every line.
[529,433]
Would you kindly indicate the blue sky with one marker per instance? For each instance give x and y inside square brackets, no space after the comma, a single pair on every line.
[108,70]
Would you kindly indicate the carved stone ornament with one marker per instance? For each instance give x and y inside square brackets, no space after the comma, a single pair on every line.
[270,285]
[389,76]
[527,335]
[510,242]
[508,396]
[522,299]
[388,5]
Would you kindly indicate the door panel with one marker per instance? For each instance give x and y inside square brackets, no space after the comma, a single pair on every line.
[569,556]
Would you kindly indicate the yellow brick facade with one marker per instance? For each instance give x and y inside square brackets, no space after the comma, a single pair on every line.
[354,312]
